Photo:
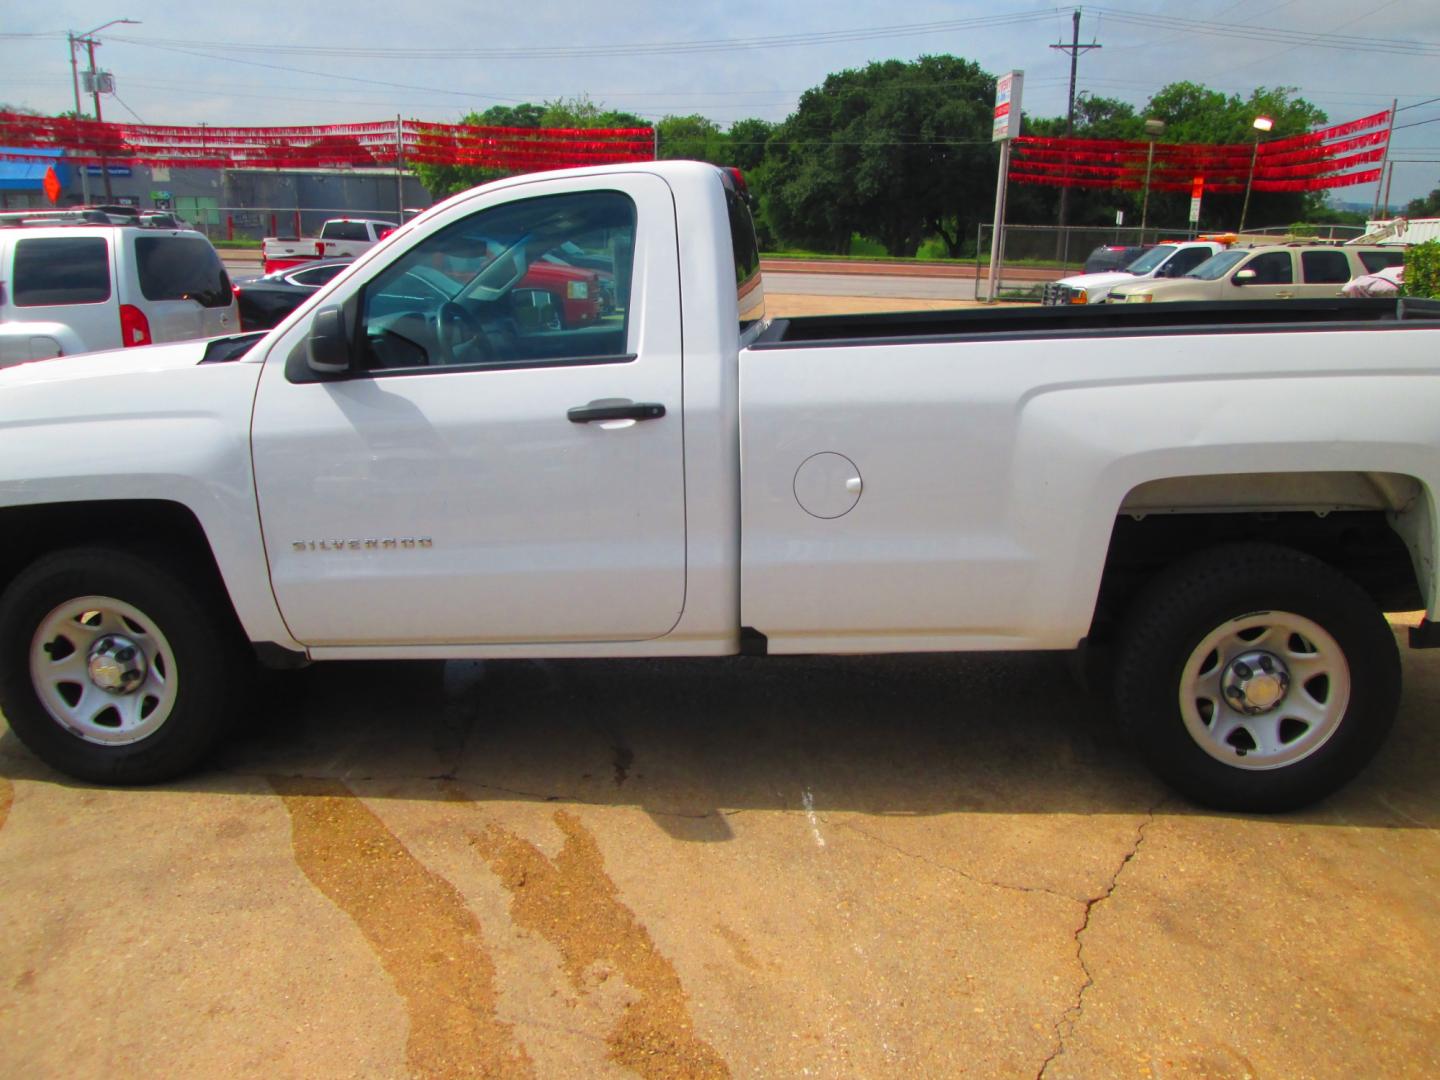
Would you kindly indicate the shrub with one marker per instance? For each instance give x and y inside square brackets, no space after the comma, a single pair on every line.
[1422,269]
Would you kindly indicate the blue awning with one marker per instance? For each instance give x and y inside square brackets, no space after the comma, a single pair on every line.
[30,175]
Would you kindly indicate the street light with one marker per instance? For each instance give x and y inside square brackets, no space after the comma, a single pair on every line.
[1261,125]
[88,39]
[1153,130]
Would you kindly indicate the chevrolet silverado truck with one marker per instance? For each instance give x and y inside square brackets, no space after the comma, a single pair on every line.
[1226,498]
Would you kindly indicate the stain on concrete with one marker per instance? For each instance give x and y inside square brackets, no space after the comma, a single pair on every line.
[739,946]
[7,799]
[624,758]
[574,905]
[427,939]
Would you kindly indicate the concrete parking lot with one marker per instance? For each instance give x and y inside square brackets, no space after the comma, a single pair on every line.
[867,867]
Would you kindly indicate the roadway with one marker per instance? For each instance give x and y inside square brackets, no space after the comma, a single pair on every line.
[917,281]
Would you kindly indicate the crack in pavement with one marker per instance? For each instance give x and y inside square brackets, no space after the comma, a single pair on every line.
[1065,1026]
[1005,885]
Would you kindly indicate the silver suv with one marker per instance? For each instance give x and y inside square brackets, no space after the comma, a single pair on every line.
[73,282]
[1269,272]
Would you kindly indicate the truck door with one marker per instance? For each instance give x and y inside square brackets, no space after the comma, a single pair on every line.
[1271,277]
[487,473]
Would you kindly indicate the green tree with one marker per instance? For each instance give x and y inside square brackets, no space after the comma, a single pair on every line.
[895,151]
[747,143]
[1427,206]
[443,180]
[693,138]
[1197,114]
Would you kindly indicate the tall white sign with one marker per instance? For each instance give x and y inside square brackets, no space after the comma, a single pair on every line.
[1007,106]
[1006,128]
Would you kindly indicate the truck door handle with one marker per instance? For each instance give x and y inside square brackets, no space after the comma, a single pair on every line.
[639,410]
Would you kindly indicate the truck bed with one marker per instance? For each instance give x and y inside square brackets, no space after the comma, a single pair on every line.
[1099,320]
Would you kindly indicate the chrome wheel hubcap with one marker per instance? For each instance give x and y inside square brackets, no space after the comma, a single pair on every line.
[1264,690]
[1255,682]
[103,670]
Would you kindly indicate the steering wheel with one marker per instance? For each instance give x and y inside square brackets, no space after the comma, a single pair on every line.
[459,334]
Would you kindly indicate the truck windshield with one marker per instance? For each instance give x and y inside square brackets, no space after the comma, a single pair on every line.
[1152,259]
[1216,266]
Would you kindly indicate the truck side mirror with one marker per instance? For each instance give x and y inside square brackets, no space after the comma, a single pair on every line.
[1243,277]
[328,346]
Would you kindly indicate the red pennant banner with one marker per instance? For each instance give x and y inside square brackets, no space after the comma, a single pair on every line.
[1315,161]
[382,144]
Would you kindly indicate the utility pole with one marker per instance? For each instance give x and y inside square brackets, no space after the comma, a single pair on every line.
[75,78]
[1384,161]
[1074,49]
[95,92]
[399,170]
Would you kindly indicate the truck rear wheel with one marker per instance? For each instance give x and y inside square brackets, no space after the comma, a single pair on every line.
[1257,678]
[113,669]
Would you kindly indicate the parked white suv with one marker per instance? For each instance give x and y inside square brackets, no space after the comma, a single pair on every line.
[69,284]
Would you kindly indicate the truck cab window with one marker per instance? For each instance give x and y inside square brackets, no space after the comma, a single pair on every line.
[543,280]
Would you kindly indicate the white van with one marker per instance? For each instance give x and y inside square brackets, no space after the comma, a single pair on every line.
[71,286]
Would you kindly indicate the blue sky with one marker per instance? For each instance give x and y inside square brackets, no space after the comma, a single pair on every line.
[265,62]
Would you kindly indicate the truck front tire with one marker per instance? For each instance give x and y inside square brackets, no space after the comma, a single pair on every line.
[114,669]
[1257,678]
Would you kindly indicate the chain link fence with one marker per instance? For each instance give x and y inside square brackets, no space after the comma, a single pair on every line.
[1035,254]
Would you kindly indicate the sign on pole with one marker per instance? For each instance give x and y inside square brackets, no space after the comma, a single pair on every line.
[1007,106]
[1197,188]
[1006,128]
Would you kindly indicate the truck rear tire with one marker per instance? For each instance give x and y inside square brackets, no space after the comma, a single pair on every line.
[116,670]
[1256,678]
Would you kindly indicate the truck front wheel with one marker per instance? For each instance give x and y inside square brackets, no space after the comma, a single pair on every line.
[114,669]
[1257,678]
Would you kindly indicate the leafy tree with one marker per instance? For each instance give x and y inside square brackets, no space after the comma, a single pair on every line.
[747,139]
[895,151]
[692,138]
[1197,114]
[442,180]
[1427,206]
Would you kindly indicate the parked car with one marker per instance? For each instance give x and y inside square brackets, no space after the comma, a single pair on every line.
[1267,272]
[1113,257]
[265,301]
[70,283]
[1167,259]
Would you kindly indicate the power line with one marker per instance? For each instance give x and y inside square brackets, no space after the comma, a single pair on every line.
[1276,35]
[559,52]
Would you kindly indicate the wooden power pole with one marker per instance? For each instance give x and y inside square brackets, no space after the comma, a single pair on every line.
[1074,49]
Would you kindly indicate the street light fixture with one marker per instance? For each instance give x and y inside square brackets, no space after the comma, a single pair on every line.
[1153,130]
[88,39]
[1261,124]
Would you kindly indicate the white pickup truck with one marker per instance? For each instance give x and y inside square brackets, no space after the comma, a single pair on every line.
[422,462]
[1170,258]
[340,238]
